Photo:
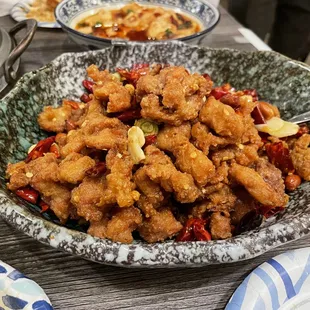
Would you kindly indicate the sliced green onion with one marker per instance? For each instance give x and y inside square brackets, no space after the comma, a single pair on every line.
[148,127]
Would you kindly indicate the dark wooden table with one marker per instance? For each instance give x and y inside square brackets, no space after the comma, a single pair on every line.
[73,283]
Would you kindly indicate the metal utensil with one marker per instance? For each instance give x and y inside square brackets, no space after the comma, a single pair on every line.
[301,118]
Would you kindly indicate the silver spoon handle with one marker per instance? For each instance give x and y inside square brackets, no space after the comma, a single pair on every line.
[301,118]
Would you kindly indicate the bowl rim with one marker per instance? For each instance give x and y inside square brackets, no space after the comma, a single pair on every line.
[122,41]
[140,254]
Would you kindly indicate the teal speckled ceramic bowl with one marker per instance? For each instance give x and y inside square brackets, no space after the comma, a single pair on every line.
[280,80]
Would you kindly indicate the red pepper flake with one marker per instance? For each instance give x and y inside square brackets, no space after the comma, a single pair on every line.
[88,85]
[194,230]
[279,155]
[71,103]
[85,98]
[44,206]
[40,149]
[29,194]
[151,139]
[258,116]
[129,115]
[99,169]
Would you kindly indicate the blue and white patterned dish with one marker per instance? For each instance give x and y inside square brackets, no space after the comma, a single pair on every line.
[19,292]
[283,282]
[20,10]
[68,10]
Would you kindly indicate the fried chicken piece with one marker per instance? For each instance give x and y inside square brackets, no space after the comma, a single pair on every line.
[91,198]
[250,134]
[72,169]
[301,156]
[173,96]
[104,133]
[99,228]
[119,179]
[44,168]
[244,155]
[152,196]
[54,119]
[243,205]
[75,143]
[255,184]
[122,224]
[205,141]
[188,158]
[222,199]
[109,89]
[222,119]
[159,226]
[161,170]
[272,176]
[17,176]
[220,225]
[43,177]
[56,196]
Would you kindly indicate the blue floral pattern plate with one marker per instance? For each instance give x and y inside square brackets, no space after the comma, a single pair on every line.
[19,292]
[283,282]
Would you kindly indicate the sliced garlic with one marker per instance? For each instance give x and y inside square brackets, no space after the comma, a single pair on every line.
[135,142]
[31,148]
[278,128]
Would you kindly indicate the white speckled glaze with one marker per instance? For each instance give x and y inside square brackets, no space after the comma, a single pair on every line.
[278,79]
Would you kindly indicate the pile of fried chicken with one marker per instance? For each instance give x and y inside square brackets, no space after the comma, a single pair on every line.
[206,173]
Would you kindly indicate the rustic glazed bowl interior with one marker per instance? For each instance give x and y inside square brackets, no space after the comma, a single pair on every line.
[277,79]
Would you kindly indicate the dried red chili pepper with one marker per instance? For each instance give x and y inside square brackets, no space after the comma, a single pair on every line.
[151,139]
[220,91]
[71,103]
[251,92]
[85,98]
[40,149]
[201,234]
[88,85]
[133,75]
[268,211]
[258,116]
[99,169]
[55,149]
[44,206]
[29,194]
[194,230]
[279,155]
[129,115]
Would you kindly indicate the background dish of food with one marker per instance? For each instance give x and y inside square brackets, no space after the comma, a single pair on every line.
[19,292]
[41,10]
[281,282]
[269,73]
[68,10]
[136,22]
